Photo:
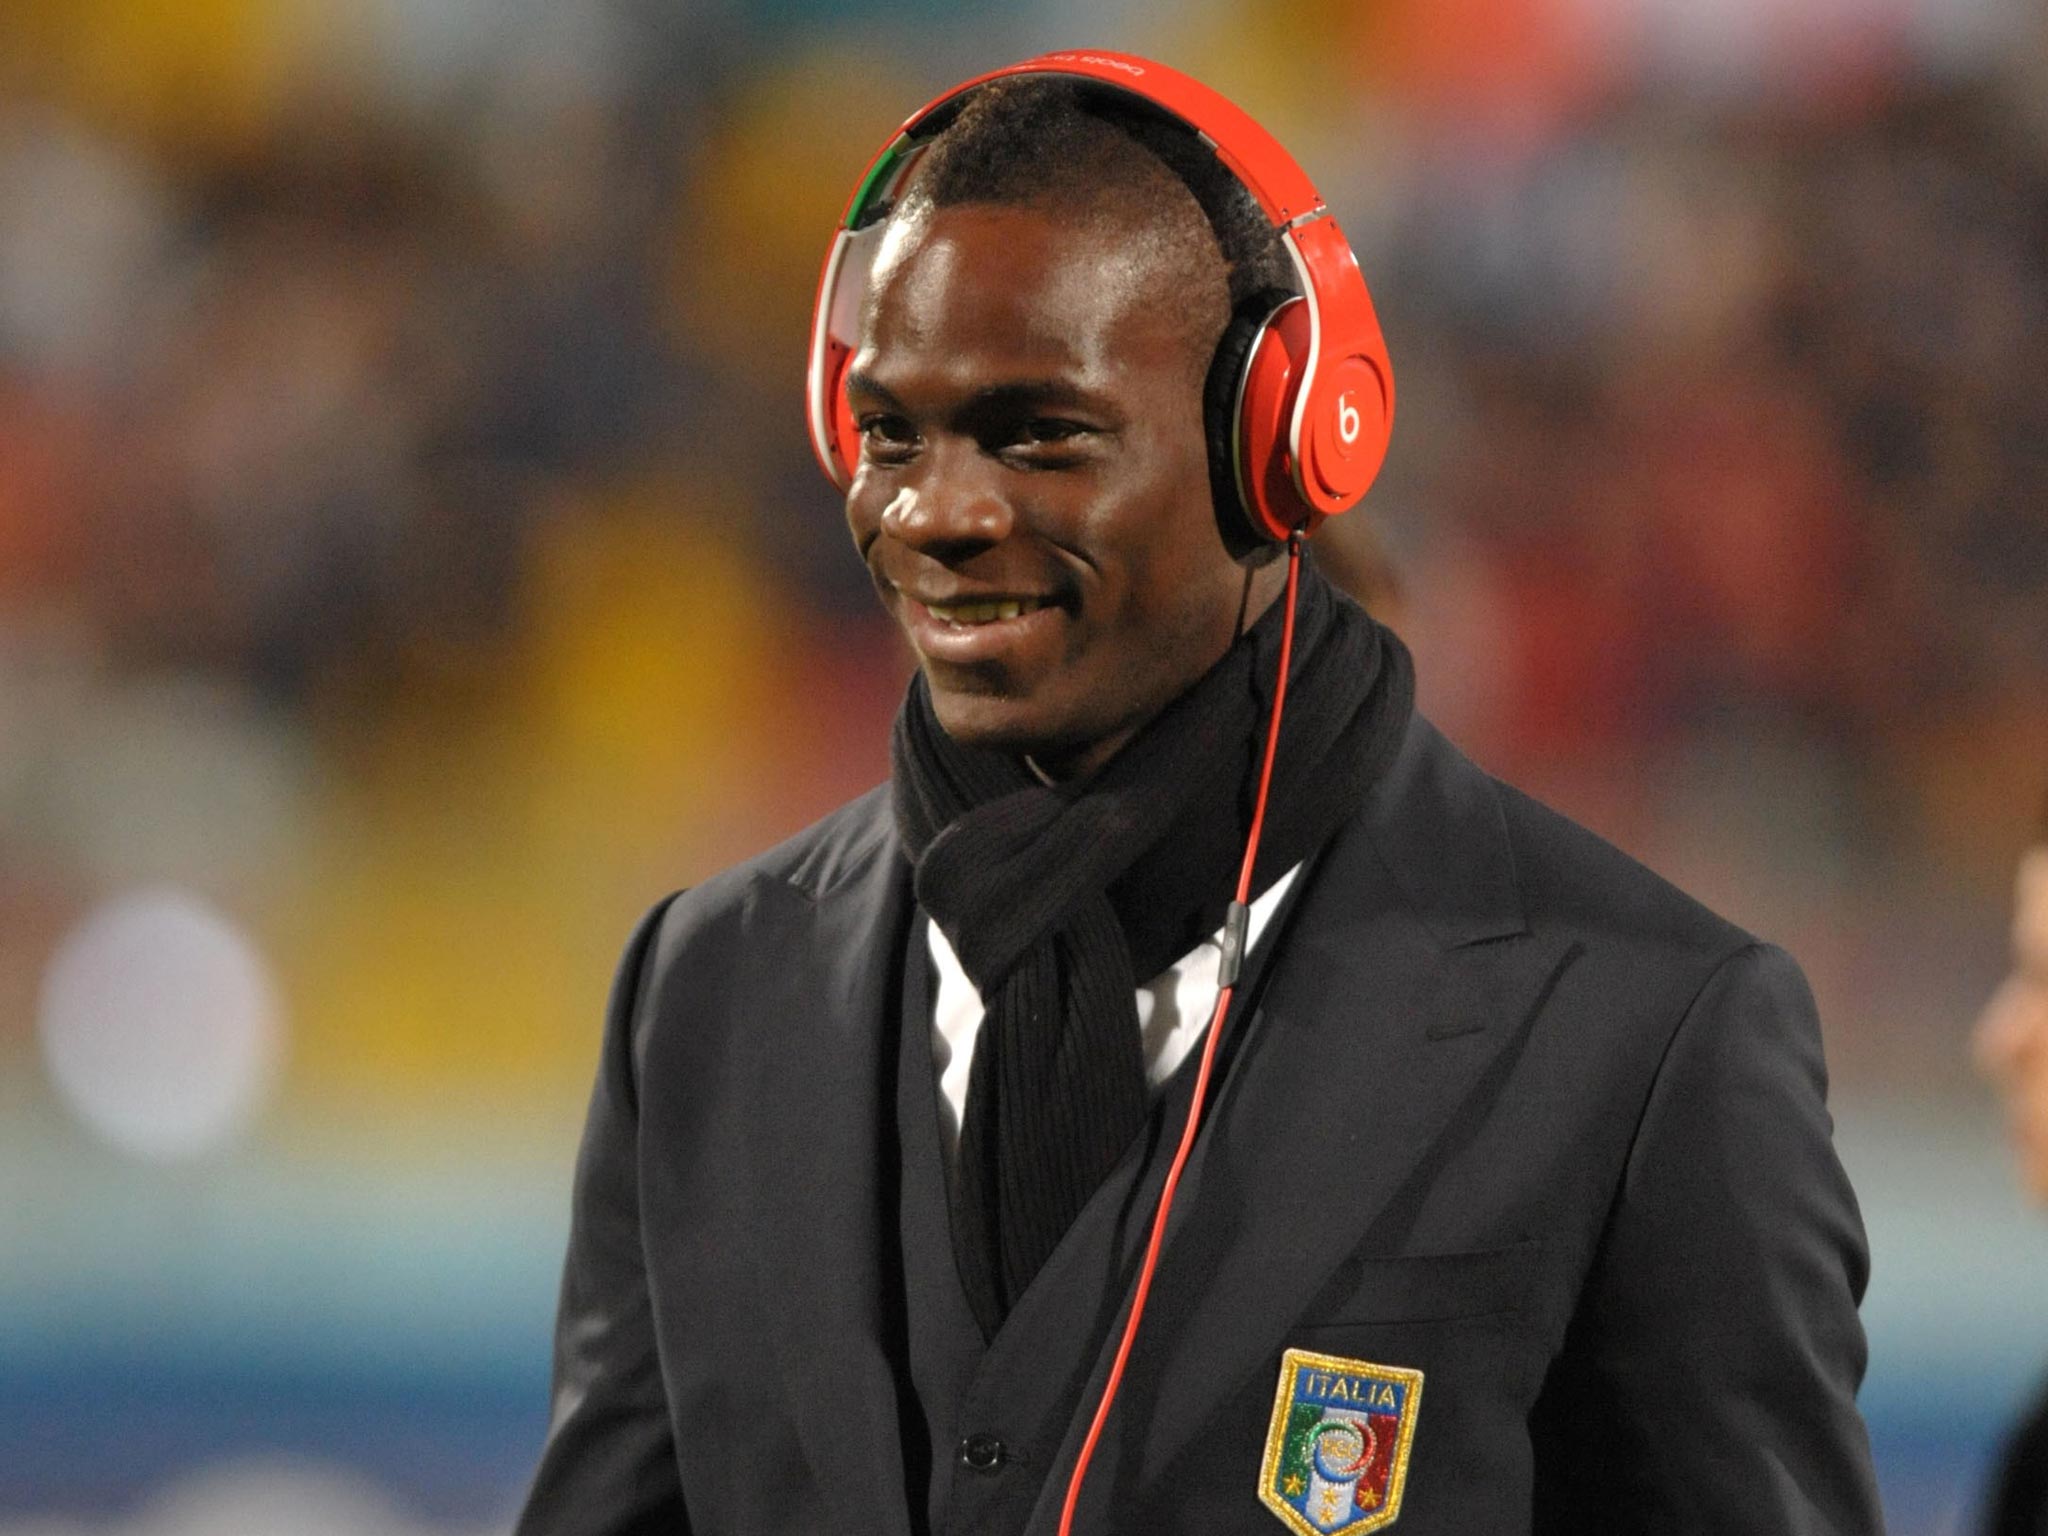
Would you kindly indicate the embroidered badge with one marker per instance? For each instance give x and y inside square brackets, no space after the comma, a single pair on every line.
[1337,1449]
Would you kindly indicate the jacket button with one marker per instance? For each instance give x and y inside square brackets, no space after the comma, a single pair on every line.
[984,1453]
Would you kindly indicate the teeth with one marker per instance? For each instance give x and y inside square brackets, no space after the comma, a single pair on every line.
[983,613]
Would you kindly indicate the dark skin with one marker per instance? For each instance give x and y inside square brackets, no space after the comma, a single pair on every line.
[1028,388]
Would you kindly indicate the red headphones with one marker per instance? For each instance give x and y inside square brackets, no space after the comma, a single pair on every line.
[1301,397]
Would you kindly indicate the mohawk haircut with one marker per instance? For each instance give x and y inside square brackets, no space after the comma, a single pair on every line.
[1096,152]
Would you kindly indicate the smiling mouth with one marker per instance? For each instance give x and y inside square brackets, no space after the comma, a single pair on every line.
[985,612]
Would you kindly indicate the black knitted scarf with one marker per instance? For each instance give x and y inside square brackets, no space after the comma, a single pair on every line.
[1060,899]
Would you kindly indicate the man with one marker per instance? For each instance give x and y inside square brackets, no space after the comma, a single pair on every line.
[1513,1207]
[2012,1048]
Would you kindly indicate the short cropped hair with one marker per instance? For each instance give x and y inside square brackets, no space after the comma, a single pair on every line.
[1030,140]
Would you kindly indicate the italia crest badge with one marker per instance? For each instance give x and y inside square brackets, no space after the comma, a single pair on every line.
[1337,1449]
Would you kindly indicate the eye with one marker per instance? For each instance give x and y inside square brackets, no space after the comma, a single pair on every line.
[1048,442]
[1051,429]
[886,439]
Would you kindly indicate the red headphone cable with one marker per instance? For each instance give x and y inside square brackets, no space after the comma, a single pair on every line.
[1235,927]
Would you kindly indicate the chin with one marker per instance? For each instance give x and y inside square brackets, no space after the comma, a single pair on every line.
[995,723]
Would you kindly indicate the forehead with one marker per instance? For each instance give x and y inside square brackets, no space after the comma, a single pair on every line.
[975,288]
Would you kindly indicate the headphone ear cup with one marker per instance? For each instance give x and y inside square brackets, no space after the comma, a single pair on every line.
[1250,398]
[839,415]
[1223,400]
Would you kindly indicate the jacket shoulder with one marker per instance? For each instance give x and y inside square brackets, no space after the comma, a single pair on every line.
[1572,877]
[1485,858]
[829,852]
[695,943]
[704,920]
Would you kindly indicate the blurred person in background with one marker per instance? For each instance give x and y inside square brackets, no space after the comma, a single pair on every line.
[2012,1047]
[882,1113]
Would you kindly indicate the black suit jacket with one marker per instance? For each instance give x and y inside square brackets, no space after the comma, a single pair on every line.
[1507,1109]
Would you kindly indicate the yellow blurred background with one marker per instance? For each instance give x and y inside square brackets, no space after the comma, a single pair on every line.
[411,566]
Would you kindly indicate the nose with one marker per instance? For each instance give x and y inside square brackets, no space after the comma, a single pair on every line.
[953,507]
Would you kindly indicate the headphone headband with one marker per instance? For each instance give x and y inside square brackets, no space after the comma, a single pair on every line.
[1338,398]
[1247,150]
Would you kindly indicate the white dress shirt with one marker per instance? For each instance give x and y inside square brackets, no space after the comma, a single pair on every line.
[1173,1009]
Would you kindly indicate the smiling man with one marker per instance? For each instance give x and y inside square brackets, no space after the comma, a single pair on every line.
[1512,1207]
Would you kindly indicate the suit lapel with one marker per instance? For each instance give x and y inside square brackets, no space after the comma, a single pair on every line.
[825,953]
[1330,1139]
[1405,981]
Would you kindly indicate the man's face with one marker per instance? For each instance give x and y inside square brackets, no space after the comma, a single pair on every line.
[2012,1036]
[1032,498]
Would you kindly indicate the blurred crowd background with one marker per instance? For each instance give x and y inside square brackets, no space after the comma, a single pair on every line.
[412,565]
